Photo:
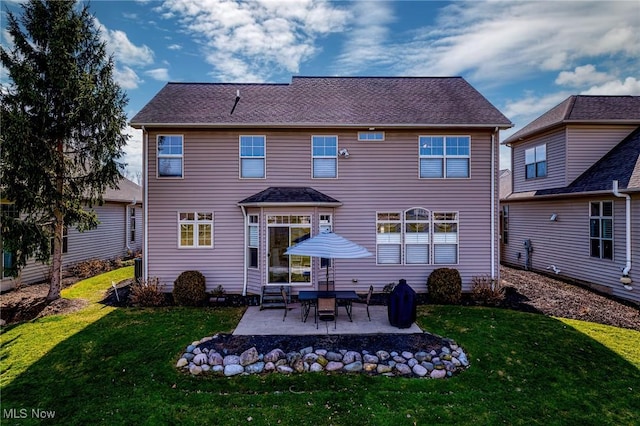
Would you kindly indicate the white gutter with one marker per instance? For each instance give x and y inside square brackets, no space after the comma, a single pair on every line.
[145,200]
[627,268]
[493,206]
[244,256]
[302,125]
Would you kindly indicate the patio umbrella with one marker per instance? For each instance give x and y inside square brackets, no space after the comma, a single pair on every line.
[329,245]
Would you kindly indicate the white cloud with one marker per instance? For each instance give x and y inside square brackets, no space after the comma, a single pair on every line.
[242,40]
[133,153]
[124,51]
[365,43]
[126,77]
[582,76]
[160,74]
[174,46]
[508,41]
[630,86]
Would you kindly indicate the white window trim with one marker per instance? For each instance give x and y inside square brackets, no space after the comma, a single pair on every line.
[444,156]
[535,162]
[195,222]
[613,234]
[313,157]
[240,157]
[158,157]
[403,244]
[363,138]
[249,246]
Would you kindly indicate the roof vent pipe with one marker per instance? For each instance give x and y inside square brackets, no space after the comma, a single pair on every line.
[625,271]
[236,102]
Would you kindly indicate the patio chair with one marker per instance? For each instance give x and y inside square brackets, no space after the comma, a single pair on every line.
[285,297]
[369,300]
[327,307]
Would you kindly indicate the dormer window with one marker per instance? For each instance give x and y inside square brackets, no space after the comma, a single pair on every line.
[535,160]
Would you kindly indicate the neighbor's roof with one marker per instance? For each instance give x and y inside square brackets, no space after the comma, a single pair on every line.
[127,192]
[622,163]
[323,101]
[298,195]
[584,109]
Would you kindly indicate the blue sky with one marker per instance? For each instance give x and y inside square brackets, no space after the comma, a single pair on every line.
[525,57]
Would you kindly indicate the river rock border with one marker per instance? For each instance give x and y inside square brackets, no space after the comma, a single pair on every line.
[436,364]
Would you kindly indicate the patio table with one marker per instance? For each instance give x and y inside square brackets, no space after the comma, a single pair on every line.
[307,297]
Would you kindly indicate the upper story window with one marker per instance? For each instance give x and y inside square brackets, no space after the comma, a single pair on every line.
[535,160]
[370,136]
[170,156]
[195,229]
[252,156]
[444,156]
[324,151]
[601,229]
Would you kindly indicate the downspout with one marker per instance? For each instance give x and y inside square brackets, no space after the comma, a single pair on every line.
[145,207]
[244,256]
[627,268]
[493,207]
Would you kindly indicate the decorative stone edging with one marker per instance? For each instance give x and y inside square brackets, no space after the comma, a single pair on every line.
[449,360]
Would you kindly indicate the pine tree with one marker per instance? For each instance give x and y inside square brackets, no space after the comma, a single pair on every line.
[62,129]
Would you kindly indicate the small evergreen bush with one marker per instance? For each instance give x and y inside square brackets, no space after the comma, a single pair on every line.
[147,293]
[189,289]
[445,286]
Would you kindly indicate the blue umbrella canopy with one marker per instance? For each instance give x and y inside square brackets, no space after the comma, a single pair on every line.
[329,246]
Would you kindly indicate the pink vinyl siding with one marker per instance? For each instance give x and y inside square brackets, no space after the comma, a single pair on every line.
[556,159]
[587,144]
[564,243]
[377,176]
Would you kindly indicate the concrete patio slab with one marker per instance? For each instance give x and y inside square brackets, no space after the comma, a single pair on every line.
[269,321]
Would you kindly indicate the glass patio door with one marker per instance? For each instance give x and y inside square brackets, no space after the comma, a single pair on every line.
[283,232]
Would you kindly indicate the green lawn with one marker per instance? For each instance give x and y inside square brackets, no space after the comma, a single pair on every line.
[104,365]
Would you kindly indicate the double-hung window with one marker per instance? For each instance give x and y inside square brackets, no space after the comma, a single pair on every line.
[253,233]
[535,160]
[417,237]
[389,238]
[252,156]
[444,156]
[324,151]
[325,225]
[601,229]
[195,229]
[445,238]
[170,156]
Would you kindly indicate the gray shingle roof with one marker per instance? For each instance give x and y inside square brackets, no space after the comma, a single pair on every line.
[127,192]
[583,109]
[622,163]
[290,195]
[323,101]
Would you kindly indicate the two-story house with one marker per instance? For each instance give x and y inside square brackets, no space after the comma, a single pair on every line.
[119,233]
[236,173]
[574,208]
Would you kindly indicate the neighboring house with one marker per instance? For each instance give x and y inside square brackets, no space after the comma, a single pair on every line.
[564,215]
[236,173]
[118,234]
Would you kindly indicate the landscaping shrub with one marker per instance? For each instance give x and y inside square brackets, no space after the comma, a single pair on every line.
[444,286]
[147,293]
[485,291]
[189,289]
[90,268]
